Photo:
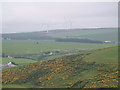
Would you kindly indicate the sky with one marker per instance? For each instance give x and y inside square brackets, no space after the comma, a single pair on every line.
[39,16]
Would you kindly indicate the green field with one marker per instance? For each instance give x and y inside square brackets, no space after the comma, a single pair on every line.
[18,61]
[101,35]
[14,47]
[112,36]
[29,49]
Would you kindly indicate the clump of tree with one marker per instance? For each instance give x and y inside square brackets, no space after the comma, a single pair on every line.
[4,55]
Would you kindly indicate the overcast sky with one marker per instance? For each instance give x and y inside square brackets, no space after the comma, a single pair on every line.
[27,17]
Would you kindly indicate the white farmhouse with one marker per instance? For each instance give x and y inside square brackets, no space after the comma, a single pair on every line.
[107,41]
[10,63]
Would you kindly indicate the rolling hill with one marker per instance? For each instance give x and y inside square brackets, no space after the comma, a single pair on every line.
[100,34]
[81,70]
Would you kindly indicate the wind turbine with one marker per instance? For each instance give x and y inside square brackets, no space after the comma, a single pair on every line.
[68,23]
[47,27]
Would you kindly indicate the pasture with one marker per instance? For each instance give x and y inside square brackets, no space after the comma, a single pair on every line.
[18,61]
[15,47]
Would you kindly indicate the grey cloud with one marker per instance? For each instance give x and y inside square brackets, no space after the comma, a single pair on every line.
[21,17]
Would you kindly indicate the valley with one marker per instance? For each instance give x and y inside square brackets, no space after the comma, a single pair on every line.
[43,62]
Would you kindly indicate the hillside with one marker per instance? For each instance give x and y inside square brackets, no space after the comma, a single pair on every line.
[100,34]
[105,55]
[82,70]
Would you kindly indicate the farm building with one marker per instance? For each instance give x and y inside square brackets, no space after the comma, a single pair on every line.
[11,63]
[107,41]
[9,56]
[48,53]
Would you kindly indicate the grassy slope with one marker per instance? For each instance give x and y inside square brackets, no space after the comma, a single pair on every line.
[108,77]
[108,55]
[68,71]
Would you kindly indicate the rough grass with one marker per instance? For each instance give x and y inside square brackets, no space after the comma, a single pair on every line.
[67,71]
[12,86]
[107,55]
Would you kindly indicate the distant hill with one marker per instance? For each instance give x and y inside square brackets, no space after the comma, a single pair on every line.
[27,36]
[89,33]
[82,70]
